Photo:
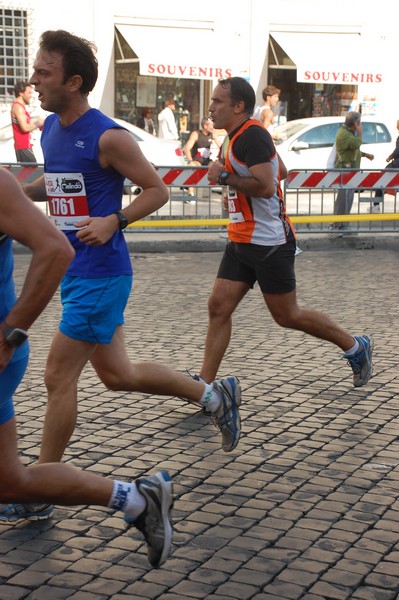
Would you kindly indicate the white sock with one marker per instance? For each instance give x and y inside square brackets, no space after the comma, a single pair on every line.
[127,498]
[353,350]
[210,399]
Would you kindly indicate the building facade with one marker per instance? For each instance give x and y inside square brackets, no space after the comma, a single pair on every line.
[325,60]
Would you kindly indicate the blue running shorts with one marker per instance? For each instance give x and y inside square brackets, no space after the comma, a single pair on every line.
[93,308]
[10,379]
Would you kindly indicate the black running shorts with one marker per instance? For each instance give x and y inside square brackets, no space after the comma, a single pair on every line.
[271,266]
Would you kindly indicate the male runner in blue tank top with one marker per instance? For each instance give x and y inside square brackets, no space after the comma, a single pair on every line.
[261,243]
[87,158]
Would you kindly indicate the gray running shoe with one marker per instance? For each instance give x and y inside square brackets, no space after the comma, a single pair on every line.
[155,522]
[12,513]
[361,362]
[227,417]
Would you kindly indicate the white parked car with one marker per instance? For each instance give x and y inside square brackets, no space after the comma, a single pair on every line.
[159,152]
[307,143]
[162,153]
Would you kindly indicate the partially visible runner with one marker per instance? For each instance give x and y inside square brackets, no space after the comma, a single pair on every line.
[198,147]
[261,243]
[265,113]
[146,502]
[87,159]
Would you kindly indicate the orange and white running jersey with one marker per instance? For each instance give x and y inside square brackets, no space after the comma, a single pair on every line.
[253,219]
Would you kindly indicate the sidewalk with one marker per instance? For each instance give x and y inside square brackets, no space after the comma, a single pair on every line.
[144,242]
[307,505]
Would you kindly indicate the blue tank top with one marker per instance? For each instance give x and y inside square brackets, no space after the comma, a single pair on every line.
[7,291]
[71,162]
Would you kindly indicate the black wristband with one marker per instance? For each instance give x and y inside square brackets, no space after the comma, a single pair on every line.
[222,179]
[123,222]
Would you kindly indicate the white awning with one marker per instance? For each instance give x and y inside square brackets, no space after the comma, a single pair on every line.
[339,58]
[178,53]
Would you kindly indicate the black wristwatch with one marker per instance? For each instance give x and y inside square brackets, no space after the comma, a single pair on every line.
[14,336]
[222,177]
[123,222]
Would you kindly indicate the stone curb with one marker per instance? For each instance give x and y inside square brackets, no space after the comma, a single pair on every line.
[316,243]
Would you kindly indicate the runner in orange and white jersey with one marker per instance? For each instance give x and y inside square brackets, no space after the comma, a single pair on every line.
[261,246]
[253,218]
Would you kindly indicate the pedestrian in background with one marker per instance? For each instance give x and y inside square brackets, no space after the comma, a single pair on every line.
[348,155]
[22,125]
[167,129]
[265,113]
[146,122]
[393,163]
[145,502]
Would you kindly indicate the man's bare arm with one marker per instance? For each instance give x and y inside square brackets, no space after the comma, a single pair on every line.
[36,190]
[120,151]
[51,251]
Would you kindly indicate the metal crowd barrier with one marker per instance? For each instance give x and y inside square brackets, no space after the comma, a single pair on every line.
[195,205]
[310,197]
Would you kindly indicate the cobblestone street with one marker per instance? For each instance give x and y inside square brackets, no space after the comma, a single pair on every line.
[307,505]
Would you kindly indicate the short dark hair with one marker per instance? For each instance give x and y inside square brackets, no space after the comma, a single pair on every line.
[240,91]
[78,56]
[352,118]
[20,87]
[270,90]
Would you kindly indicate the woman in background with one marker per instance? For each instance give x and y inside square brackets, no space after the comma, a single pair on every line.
[146,122]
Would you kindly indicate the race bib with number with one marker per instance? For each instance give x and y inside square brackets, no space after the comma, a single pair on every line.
[234,208]
[67,200]
[204,152]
